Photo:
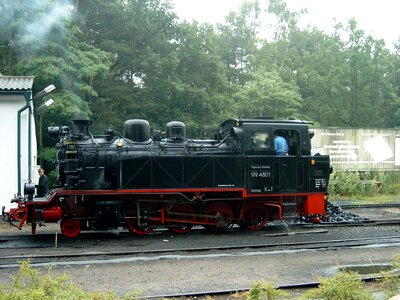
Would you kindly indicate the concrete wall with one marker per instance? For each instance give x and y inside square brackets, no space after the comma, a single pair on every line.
[9,106]
[360,149]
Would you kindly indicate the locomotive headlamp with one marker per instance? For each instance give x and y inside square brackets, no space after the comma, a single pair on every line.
[53,130]
[119,143]
[56,131]
[313,162]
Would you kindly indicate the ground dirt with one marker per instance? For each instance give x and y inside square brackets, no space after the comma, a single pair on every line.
[206,271]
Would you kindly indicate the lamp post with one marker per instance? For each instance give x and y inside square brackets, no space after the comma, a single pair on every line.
[39,112]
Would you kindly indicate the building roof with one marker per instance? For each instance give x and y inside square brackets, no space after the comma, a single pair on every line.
[16,83]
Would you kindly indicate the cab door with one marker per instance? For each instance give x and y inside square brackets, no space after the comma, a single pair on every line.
[286,173]
[259,157]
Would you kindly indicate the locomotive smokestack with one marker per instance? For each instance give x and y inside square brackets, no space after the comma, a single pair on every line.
[81,126]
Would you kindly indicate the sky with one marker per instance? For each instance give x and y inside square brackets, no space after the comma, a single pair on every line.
[379,18]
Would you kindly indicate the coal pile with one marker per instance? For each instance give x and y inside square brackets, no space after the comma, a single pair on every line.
[335,214]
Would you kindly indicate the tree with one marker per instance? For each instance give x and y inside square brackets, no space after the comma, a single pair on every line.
[267,95]
[369,92]
[238,39]
[321,77]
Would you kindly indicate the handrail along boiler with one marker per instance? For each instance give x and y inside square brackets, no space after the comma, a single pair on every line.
[143,182]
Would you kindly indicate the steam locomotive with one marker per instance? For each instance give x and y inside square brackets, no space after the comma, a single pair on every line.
[142,182]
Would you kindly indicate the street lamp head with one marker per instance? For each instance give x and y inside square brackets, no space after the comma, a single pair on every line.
[49,88]
[49,102]
[44,92]
[44,106]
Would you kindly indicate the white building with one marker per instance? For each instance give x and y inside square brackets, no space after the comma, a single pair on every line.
[18,151]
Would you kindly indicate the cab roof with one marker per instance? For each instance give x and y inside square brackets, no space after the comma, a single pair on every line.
[239,122]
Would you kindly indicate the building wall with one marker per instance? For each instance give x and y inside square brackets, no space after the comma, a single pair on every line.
[360,149]
[9,106]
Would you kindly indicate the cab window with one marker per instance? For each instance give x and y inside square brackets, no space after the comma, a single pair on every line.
[260,140]
[292,138]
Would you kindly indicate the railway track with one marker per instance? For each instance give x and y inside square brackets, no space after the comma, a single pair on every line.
[377,205]
[302,285]
[104,257]
[364,223]
[52,240]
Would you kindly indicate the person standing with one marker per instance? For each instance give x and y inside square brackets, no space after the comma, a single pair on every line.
[281,146]
[43,186]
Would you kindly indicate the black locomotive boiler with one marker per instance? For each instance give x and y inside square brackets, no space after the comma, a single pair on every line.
[142,182]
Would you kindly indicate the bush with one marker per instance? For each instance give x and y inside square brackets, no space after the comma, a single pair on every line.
[391,183]
[344,184]
[364,184]
[343,286]
[29,283]
[264,290]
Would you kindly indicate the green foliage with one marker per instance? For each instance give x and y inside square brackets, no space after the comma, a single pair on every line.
[350,184]
[390,281]
[364,184]
[268,96]
[48,156]
[116,60]
[390,183]
[29,283]
[264,290]
[238,40]
[343,286]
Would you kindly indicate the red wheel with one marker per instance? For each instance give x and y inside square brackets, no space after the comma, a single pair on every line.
[134,227]
[222,216]
[182,212]
[70,227]
[255,217]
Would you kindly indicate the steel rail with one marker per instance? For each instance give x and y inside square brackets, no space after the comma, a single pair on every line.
[353,223]
[315,245]
[370,205]
[302,285]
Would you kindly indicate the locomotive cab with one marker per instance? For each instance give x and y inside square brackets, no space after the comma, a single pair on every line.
[269,172]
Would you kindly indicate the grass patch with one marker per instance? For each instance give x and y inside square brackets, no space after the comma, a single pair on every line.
[343,286]
[265,290]
[30,283]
